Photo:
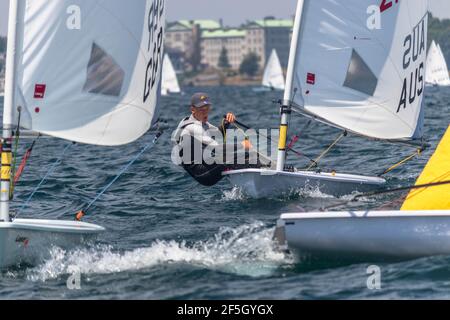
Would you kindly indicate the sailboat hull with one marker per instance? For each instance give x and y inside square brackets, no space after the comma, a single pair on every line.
[29,241]
[366,236]
[262,183]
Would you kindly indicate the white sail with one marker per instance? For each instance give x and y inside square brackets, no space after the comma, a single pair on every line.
[273,75]
[88,70]
[358,72]
[446,75]
[169,80]
[437,70]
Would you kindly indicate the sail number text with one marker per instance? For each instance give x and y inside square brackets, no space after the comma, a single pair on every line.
[155,42]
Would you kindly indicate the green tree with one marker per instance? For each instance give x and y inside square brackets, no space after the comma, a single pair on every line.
[438,30]
[250,64]
[223,59]
[2,44]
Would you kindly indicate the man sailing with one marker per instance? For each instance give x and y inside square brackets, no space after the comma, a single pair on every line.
[195,131]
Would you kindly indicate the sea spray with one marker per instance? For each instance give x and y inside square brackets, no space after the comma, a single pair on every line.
[247,250]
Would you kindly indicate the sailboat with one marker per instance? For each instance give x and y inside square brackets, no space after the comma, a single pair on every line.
[359,79]
[86,72]
[420,229]
[437,70]
[169,82]
[273,78]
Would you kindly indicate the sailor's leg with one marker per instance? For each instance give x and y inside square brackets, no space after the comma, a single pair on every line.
[207,175]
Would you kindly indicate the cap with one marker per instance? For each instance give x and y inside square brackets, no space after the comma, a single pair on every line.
[200,100]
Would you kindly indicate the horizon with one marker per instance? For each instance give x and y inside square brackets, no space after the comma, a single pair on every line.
[225,11]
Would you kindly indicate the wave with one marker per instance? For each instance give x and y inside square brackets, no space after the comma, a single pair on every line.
[247,250]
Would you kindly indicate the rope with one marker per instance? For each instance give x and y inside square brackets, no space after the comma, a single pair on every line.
[24,161]
[377,193]
[124,169]
[49,172]
[247,138]
[13,167]
[299,154]
[316,162]
[418,153]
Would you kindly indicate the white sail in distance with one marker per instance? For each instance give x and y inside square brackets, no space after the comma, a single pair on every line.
[273,74]
[169,78]
[360,65]
[88,70]
[437,70]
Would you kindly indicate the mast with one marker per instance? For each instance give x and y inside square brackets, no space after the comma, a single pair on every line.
[8,110]
[288,93]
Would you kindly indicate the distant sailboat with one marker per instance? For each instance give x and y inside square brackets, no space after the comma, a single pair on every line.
[351,77]
[420,229]
[273,75]
[437,70]
[82,72]
[169,82]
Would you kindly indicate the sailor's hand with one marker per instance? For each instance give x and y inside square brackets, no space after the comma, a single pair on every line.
[231,118]
[247,144]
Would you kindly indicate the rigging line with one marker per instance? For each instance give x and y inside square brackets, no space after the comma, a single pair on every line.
[124,169]
[49,172]
[389,191]
[248,139]
[13,167]
[25,160]
[316,162]
[296,137]
[269,139]
[418,153]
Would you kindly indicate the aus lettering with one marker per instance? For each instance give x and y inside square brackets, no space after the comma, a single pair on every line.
[414,65]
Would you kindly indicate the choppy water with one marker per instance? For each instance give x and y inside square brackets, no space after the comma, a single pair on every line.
[169,238]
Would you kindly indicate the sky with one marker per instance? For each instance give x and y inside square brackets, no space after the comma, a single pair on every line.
[233,12]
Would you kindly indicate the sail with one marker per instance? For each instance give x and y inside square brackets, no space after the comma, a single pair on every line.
[273,75]
[446,75]
[88,70]
[437,71]
[360,65]
[437,170]
[169,78]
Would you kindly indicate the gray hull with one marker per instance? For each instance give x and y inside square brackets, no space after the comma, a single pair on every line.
[261,183]
[366,236]
[29,241]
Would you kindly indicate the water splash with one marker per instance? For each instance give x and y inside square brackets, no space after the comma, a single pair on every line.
[247,250]
[313,192]
[235,194]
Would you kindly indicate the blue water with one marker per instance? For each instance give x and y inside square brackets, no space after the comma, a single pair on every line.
[169,238]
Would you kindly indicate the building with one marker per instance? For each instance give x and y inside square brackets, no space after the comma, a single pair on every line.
[200,42]
[182,37]
[213,42]
[265,35]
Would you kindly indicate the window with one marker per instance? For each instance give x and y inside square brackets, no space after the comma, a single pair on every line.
[359,76]
[104,75]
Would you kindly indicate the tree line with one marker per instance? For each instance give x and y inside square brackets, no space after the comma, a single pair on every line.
[439,31]
[2,50]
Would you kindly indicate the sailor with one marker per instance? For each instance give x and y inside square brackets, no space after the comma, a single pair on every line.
[195,131]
